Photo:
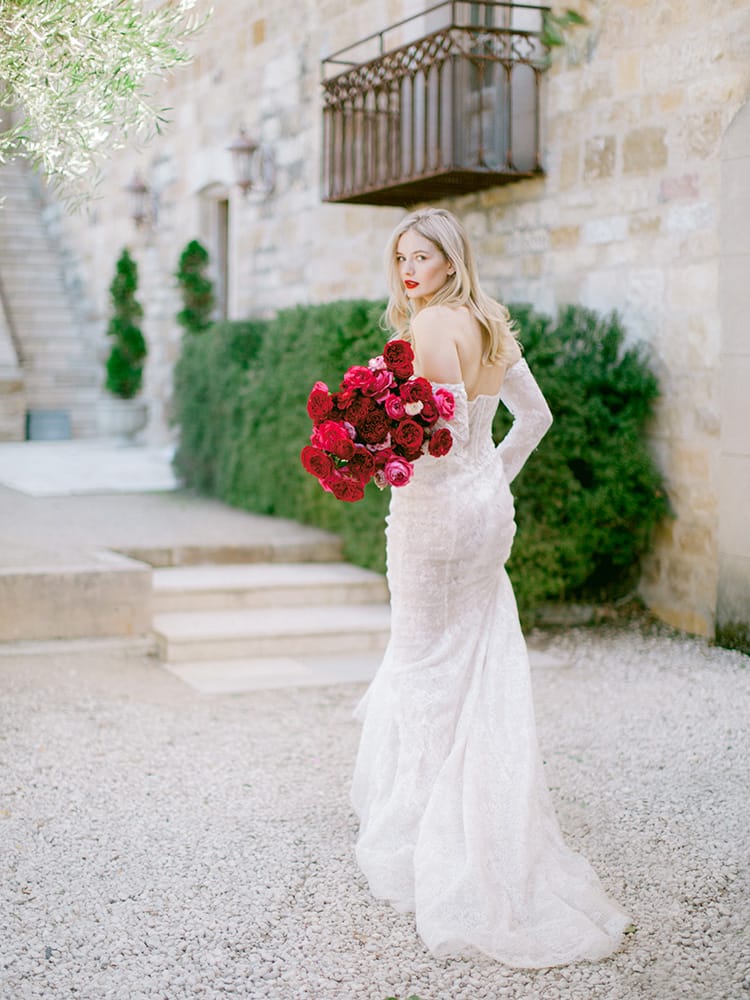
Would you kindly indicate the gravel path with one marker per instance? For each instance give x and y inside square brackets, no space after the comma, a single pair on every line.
[156,843]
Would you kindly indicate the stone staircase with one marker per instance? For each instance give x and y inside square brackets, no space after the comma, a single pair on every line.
[231,627]
[60,369]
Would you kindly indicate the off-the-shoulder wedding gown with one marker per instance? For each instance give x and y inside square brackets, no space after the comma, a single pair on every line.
[456,822]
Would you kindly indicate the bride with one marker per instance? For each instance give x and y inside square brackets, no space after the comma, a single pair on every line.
[456,821]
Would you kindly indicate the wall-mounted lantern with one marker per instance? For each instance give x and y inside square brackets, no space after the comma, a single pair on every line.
[254,167]
[143,202]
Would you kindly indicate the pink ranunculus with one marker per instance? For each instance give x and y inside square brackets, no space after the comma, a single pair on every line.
[394,407]
[376,364]
[380,383]
[358,377]
[398,472]
[445,402]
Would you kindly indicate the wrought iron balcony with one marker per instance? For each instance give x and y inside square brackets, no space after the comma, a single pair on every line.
[439,104]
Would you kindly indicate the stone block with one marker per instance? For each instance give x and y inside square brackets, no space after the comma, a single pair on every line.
[687,218]
[644,149]
[628,70]
[570,160]
[599,157]
[682,188]
[565,237]
[609,230]
[644,224]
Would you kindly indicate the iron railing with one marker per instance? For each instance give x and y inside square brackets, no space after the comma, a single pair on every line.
[441,103]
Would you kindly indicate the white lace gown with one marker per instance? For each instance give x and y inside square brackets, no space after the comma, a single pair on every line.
[456,821]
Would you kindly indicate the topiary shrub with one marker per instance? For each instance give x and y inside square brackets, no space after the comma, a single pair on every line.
[196,289]
[128,353]
[586,503]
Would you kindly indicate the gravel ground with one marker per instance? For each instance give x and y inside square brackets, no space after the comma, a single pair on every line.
[157,843]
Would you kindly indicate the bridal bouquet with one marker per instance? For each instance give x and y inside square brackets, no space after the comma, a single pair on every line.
[378,423]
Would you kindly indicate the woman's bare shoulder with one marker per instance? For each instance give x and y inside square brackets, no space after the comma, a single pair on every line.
[447,320]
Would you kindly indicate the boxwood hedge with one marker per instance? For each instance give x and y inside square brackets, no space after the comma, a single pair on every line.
[586,503]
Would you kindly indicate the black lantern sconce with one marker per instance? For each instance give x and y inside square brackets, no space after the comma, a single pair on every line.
[143,202]
[254,167]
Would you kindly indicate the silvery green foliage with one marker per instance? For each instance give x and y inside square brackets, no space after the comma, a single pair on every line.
[78,73]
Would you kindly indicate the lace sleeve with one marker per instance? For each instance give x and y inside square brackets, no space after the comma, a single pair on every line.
[531,418]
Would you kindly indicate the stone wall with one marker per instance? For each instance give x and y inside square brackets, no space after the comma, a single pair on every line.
[627,216]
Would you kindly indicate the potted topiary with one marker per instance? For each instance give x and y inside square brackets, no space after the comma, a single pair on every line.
[121,414]
[196,289]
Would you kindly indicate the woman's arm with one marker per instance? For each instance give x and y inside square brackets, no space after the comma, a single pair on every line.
[531,418]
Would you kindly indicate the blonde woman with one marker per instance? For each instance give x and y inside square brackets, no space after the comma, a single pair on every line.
[456,822]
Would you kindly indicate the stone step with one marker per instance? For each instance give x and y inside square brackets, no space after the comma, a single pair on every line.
[262,673]
[59,595]
[270,632]
[264,585]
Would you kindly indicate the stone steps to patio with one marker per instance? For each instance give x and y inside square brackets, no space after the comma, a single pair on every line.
[268,621]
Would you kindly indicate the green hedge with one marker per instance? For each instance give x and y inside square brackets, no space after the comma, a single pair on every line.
[587,502]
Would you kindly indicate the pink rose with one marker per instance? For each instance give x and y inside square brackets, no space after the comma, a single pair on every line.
[445,402]
[376,364]
[380,383]
[358,377]
[398,472]
[394,407]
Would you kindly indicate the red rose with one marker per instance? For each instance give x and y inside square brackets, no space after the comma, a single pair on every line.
[332,436]
[445,402]
[316,462]
[358,409]
[383,457]
[398,472]
[346,488]
[358,377]
[362,465]
[416,390]
[441,442]
[374,428]
[409,434]
[429,413]
[399,356]
[319,402]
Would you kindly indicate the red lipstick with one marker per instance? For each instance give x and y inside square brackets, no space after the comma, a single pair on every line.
[411,284]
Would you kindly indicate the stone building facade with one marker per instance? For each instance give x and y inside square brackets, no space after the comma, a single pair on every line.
[643,207]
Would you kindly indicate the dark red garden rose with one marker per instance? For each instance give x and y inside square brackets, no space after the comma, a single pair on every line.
[429,413]
[316,462]
[346,488]
[383,456]
[358,409]
[441,442]
[362,465]
[416,390]
[319,402]
[399,356]
[409,434]
[374,428]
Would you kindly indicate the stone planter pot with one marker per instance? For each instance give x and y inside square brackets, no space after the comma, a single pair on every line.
[121,418]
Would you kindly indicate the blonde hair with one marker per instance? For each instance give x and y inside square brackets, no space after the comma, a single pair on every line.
[461,288]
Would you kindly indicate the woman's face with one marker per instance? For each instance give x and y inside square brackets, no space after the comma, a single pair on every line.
[422,267]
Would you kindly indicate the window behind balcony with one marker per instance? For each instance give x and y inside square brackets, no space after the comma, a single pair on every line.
[448,102]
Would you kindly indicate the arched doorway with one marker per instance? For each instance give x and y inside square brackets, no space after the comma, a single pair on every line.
[733,598]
